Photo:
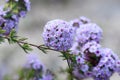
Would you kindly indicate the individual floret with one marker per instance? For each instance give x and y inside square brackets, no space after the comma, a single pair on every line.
[76,23]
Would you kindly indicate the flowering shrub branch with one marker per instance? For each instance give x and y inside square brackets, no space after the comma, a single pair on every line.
[78,42]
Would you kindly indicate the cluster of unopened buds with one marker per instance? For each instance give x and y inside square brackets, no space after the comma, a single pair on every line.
[78,40]
[81,38]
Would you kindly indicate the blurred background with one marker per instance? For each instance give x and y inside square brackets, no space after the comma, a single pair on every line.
[106,13]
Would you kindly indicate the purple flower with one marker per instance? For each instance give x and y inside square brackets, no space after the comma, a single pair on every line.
[22,13]
[8,23]
[84,67]
[88,32]
[39,70]
[27,4]
[90,64]
[8,26]
[80,60]
[106,65]
[104,73]
[91,47]
[34,62]
[16,18]
[58,34]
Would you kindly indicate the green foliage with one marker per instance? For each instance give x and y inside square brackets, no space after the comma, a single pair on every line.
[22,39]
[1,40]
[12,37]
[1,32]
[13,6]
[26,74]
[26,47]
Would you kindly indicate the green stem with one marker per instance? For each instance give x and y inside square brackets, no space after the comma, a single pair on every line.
[69,65]
[40,47]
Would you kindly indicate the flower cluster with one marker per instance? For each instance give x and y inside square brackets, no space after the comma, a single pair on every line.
[88,32]
[58,34]
[91,59]
[10,14]
[82,37]
[35,69]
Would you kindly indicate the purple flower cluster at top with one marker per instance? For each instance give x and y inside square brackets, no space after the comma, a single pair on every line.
[58,34]
[39,69]
[8,18]
[88,32]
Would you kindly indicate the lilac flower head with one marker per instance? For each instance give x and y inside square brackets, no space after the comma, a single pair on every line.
[34,62]
[58,34]
[106,66]
[91,59]
[96,62]
[108,57]
[39,72]
[88,32]
[8,26]
[91,53]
